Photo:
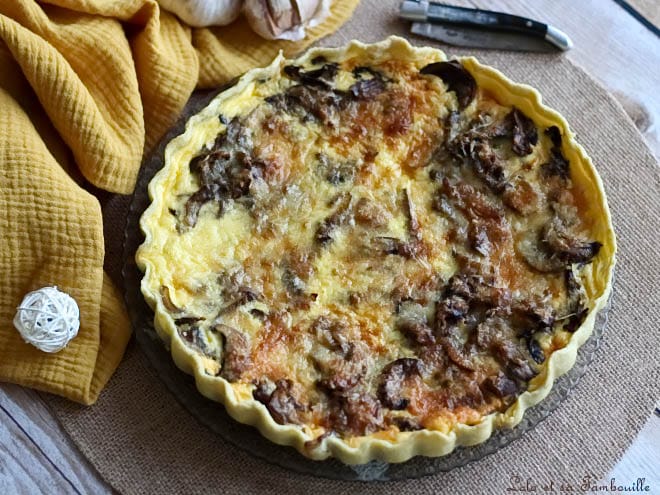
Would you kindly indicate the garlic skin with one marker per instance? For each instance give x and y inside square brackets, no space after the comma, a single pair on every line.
[285,19]
[203,13]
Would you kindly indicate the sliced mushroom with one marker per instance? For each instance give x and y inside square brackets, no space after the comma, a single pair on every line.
[576,311]
[322,77]
[535,350]
[188,320]
[525,134]
[412,322]
[536,255]
[456,351]
[557,165]
[392,382]
[342,371]
[450,310]
[308,102]
[336,173]
[400,247]
[488,168]
[501,385]
[452,126]
[236,352]
[478,238]
[554,134]
[333,334]
[195,202]
[417,332]
[167,300]
[342,362]
[355,414]
[569,248]
[456,78]
[280,400]
[521,369]
[367,89]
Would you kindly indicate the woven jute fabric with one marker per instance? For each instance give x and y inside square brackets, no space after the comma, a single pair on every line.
[142,441]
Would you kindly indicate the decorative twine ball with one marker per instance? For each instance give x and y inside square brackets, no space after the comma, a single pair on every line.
[48,319]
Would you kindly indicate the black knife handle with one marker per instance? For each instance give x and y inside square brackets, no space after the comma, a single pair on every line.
[438,12]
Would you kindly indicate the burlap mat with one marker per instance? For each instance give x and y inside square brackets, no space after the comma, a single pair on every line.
[141,440]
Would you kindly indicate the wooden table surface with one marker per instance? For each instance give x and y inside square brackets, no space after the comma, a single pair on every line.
[36,455]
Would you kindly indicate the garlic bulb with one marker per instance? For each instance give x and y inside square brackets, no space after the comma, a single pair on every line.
[285,19]
[202,13]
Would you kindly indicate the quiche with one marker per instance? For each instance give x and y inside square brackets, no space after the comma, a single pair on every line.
[374,252]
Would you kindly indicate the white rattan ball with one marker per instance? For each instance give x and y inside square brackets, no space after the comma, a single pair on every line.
[48,319]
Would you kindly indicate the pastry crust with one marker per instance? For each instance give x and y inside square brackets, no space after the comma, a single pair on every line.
[395,446]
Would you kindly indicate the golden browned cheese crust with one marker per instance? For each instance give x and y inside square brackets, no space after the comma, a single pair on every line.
[371,245]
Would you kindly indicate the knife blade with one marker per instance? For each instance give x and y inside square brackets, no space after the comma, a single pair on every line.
[479,38]
[423,11]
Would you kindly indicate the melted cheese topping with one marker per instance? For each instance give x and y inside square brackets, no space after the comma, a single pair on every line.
[351,216]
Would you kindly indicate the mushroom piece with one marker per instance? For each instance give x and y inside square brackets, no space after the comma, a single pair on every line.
[536,255]
[167,300]
[456,351]
[554,134]
[575,308]
[195,202]
[556,166]
[341,362]
[457,79]
[554,248]
[322,77]
[569,249]
[236,351]
[366,89]
[525,135]
[536,351]
[279,399]
[392,381]
[416,331]
[333,334]
[501,385]
[357,414]
[307,101]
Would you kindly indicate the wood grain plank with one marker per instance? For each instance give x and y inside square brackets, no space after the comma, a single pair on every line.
[642,458]
[36,455]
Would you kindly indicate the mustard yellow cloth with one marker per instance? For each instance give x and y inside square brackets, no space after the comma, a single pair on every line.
[86,86]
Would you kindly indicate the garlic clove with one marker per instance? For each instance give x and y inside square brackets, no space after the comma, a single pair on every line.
[203,13]
[322,11]
[284,19]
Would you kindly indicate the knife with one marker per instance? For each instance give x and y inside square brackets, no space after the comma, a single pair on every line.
[481,28]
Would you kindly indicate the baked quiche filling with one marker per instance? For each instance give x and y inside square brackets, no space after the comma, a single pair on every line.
[372,248]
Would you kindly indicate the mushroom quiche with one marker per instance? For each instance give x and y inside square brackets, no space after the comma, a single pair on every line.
[374,252]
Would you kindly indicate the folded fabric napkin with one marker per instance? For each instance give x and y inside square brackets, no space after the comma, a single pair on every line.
[87,86]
